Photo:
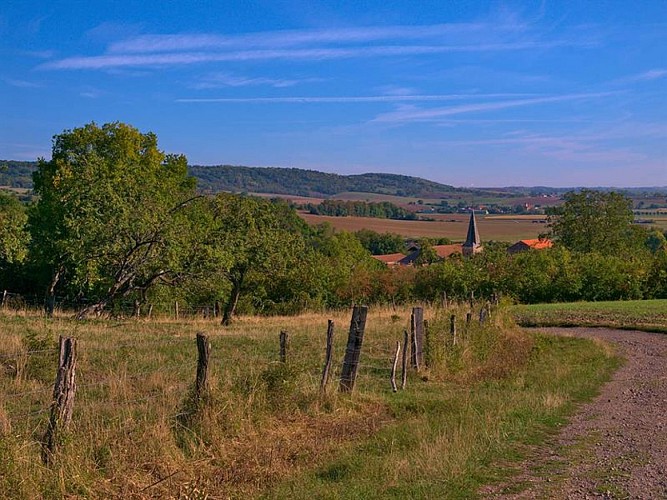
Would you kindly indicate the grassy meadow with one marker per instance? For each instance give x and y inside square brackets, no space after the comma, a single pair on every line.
[647,315]
[264,429]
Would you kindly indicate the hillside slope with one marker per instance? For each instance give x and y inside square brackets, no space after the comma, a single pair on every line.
[292,181]
[309,182]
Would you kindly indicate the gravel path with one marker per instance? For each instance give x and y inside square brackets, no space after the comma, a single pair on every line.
[615,446]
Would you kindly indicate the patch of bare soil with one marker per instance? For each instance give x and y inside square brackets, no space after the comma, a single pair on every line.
[615,446]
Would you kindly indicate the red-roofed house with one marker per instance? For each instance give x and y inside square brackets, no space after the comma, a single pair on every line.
[523,245]
[392,259]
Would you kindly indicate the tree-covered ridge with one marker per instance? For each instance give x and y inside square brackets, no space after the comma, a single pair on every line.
[302,182]
[17,174]
[294,181]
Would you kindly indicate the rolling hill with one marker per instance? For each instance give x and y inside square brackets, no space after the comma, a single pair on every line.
[292,181]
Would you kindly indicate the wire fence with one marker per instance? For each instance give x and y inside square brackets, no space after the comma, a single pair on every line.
[123,383]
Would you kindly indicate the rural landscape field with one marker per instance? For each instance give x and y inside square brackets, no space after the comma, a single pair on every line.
[266,427]
[333,250]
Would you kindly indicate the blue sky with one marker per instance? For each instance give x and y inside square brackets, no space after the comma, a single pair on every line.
[468,93]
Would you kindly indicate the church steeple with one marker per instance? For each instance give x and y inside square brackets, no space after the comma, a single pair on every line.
[473,243]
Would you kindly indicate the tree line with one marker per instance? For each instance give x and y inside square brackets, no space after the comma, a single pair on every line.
[345,208]
[117,221]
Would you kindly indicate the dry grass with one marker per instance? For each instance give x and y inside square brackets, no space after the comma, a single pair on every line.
[263,426]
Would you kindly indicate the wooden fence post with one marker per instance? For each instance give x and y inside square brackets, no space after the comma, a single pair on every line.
[417,332]
[427,344]
[284,339]
[4,299]
[328,356]
[452,328]
[203,350]
[482,315]
[176,310]
[62,405]
[472,299]
[353,350]
[468,318]
[444,300]
[393,367]
[404,363]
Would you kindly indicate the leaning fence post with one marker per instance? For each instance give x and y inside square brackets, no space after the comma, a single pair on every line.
[393,366]
[203,350]
[4,299]
[452,328]
[284,339]
[404,363]
[353,351]
[62,405]
[328,356]
[417,331]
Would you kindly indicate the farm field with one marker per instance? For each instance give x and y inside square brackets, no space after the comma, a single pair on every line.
[648,315]
[264,429]
[454,226]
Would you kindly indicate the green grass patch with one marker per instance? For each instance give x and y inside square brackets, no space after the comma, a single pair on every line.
[646,315]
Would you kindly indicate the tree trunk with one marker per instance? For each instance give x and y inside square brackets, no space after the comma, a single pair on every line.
[230,307]
[50,303]
[93,309]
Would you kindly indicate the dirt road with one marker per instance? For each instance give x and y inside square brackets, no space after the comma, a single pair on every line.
[615,446]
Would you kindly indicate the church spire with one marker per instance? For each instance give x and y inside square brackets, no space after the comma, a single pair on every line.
[473,242]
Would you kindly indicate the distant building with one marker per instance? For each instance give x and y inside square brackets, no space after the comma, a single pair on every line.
[473,243]
[524,245]
[392,259]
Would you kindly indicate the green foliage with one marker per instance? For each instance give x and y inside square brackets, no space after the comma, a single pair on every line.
[14,237]
[343,208]
[595,221]
[427,254]
[380,243]
[110,216]
[308,182]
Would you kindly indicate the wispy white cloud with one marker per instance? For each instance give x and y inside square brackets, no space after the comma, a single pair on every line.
[646,76]
[292,38]
[602,146]
[185,58]
[435,114]
[347,99]
[221,80]
[339,43]
[26,84]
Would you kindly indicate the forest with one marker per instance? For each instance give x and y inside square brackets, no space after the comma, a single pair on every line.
[117,224]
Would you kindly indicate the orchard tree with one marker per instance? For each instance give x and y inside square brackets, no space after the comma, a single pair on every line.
[594,221]
[111,215]
[250,236]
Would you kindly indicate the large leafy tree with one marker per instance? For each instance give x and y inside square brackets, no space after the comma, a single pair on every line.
[111,219]
[251,241]
[595,221]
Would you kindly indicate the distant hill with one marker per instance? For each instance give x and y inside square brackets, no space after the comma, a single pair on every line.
[301,182]
[17,174]
[288,181]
